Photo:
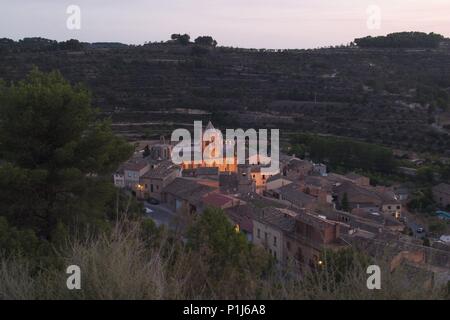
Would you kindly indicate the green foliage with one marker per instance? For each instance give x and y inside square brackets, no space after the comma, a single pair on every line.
[346,153]
[401,40]
[433,95]
[121,265]
[205,41]
[425,175]
[17,242]
[344,203]
[227,247]
[225,256]
[36,44]
[183,39]
[57,156]
[437,227]
[422,201]
[337,267]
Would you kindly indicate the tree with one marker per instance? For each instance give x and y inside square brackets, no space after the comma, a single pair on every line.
[425,175]
[206,41]
[146,152]
[401,40]
[57,156]
[344,203]
[226,261]
[183,39]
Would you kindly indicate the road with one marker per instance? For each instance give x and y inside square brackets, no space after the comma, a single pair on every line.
[414,225]
[161,215]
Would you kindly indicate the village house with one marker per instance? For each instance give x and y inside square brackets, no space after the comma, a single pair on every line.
[297,169]
[319,187]
[157,177]
[372,199]
[133,171]
[269,227]
[311,235]
[277,181]
[357,179]
[297,237]
[219,201]
[441,194]
[160,151]
[293,195]
[119,178]
[320,169]
[186,194]
[202,172]
[239,182]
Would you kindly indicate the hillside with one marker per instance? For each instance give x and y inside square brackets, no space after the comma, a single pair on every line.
[388,96]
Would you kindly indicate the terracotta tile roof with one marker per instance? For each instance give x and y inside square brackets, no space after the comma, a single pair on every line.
[188,189]
[216,200]
[293,193]
[161,170]
[135,165]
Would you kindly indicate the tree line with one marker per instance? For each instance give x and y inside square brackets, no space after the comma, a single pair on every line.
[344,153]
[401,40]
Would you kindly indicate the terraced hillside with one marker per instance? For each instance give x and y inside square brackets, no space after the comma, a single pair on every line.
[393,97]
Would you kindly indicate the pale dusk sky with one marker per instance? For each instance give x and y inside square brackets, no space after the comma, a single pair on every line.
[243,23]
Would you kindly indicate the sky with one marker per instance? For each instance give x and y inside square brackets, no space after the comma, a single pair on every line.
[239,23]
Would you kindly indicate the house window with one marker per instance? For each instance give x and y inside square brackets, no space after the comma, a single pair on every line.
[129,174]
[265,236]
[275,241]
[288,245]
[389,207]
[259,234]
[275,254]
[157,187]
[398,207]
[151,188]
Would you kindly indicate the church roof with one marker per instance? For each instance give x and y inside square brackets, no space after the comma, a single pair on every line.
[209,126]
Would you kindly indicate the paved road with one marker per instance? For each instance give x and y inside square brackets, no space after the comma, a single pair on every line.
[161,214]
[414,225]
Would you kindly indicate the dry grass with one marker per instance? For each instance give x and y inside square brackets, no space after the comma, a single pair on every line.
[121,265]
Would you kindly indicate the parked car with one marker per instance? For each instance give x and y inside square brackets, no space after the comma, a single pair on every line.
[153,201]
[420,230]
